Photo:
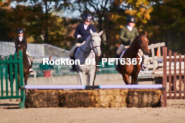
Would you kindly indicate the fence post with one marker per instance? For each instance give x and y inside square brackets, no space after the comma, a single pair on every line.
[170,75]
[164,98]
[1,79]
[23,96]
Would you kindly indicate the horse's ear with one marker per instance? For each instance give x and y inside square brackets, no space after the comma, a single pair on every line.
[146,33]
[91,32]
[100,33]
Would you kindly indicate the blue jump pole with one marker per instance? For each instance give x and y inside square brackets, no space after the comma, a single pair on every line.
[75,87]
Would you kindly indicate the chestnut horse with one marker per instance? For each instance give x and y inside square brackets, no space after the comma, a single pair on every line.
[130,54]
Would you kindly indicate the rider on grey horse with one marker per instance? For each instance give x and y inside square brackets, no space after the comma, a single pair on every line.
[127,35]
[82,33]
[20,39]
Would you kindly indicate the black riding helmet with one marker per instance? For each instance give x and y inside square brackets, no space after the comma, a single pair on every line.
[87,17]
[131,19]
[20,30]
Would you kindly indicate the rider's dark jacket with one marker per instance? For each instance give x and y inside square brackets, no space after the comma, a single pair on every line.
[18,42]
[84,33]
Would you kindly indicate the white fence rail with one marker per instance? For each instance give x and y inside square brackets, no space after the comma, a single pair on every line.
[34,50]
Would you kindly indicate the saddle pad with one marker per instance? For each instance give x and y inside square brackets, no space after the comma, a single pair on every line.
[124,52]
[91,52]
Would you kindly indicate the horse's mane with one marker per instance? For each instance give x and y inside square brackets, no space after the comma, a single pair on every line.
[89,38]
[136,38]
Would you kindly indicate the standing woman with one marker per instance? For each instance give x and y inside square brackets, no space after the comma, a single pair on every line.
[81,34]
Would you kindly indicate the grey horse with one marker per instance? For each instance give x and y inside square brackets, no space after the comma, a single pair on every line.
[86,55]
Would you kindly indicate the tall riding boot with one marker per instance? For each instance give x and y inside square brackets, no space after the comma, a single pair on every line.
[117,65]
[97,63]
[73,69]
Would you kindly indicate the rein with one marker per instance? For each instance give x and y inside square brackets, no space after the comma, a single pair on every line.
[91,49]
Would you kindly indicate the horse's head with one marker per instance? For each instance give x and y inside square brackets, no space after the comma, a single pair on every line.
[143,41]
[22,47]
[96,42]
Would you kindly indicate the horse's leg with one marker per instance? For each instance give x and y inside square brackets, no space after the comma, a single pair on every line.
[94,77]
[126,78]
[26,75]
[134,79]
[92,74]
[26,78]
[82,77]
[88,79]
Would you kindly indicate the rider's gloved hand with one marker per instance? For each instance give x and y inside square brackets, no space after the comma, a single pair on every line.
[78,36]
[127,46]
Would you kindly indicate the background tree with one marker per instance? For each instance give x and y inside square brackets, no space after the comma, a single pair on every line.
[44,22]
[4,21]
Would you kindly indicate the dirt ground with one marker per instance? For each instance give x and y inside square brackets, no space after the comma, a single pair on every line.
[175,112]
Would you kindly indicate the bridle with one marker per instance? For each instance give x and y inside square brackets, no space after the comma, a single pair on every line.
[91,48]
[144,40]
[93,45]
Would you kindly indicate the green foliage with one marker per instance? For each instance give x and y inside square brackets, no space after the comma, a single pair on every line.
[38,21]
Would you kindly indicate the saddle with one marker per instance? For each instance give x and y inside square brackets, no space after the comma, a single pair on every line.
[124,52]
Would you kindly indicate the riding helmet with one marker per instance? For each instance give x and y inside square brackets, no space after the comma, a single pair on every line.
[87,17]
[131,19]
[20,30]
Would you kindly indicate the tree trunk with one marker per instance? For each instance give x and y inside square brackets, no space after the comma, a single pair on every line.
[46,28]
